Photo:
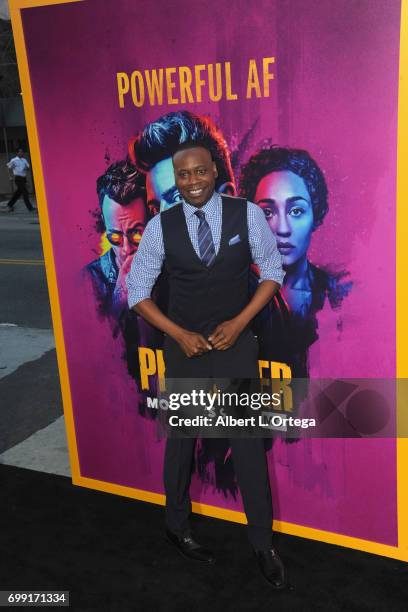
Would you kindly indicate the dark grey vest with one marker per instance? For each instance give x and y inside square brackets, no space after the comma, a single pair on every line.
[201,297]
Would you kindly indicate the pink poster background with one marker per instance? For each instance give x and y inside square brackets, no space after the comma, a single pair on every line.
[334,94]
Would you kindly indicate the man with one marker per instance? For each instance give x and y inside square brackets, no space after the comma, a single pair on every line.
[122,200]
[207,244]
[121,196]
[153,148]
[151,151]
[18,167]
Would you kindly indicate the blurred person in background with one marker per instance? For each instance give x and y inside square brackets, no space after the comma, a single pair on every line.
[18,167]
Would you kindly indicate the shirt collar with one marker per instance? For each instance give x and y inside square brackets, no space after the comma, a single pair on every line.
[209,208]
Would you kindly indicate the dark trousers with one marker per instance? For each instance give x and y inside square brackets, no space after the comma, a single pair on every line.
[21,185]
[248,454]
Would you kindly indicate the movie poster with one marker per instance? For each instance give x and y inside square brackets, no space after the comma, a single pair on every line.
[299,102]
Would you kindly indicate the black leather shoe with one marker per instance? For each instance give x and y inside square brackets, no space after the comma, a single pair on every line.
[190,549]
[272,568]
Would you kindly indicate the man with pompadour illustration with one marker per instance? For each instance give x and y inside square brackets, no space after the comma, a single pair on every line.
[152,150]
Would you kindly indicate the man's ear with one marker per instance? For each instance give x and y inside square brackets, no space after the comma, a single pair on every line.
[100,224]
[214,165]
[227,188]
[153,209]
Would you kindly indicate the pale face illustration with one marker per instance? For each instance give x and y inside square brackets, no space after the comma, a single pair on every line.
[124,226]
[162,192]
[285,200]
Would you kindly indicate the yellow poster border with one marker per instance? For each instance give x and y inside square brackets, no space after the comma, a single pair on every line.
[397,552]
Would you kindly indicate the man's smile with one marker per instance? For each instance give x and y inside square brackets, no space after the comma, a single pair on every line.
[196,191]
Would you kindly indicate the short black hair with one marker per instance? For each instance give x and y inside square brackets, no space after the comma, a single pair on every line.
[121,182]
[160,139]
[184,146]
[298,161]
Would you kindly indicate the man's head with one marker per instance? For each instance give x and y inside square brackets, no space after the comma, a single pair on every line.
[152,151]
[195,173]
[122,199]
[20,153]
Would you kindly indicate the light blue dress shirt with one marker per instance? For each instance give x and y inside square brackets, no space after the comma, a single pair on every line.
[148,260]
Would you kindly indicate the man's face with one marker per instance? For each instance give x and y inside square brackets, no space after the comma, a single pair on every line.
[162,192]
[20,153]
[124,226]
[195,174]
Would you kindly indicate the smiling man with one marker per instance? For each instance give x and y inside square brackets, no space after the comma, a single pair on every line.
[207,244]
[153,148]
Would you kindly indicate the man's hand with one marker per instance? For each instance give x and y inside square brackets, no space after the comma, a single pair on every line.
[225,334]
[120,291]
[192,344]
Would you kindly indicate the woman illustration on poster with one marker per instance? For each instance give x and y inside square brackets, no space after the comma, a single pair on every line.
[291,189]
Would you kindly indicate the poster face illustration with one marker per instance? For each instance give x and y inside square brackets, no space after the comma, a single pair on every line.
[298,102]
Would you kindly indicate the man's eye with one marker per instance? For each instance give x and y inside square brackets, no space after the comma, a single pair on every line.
[115,237]
[202,171]
[135,236]
[296,212]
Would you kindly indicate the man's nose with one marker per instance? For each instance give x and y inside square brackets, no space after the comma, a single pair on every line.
[127,246]
[193,179]
[283,226]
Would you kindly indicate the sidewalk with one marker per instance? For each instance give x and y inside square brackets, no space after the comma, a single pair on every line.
[32,432]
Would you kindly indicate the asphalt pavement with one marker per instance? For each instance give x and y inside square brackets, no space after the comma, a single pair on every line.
[32,433]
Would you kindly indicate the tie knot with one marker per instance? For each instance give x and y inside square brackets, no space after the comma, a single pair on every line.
[200,214]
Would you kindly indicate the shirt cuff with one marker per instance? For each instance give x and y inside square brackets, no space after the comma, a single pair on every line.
[277,276]
[136,297]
